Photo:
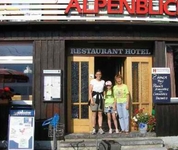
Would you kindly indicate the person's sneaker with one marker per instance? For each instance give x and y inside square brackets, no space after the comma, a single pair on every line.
[93,131]
[117,131]
[110,131]
[101,131]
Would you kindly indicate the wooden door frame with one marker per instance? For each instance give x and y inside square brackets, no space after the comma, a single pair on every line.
[71,121]
[128,75]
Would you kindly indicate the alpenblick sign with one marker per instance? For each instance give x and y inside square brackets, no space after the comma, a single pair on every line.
[138,7]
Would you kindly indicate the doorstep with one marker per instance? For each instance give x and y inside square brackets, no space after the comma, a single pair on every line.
[107,135]
[91,142]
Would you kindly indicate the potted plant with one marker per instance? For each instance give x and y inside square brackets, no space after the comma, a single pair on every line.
[151,123]
[144,121]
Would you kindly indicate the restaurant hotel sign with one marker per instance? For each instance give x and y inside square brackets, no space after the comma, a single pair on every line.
[109,51]
[138,7]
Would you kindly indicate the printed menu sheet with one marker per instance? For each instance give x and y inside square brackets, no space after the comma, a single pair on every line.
[52,87]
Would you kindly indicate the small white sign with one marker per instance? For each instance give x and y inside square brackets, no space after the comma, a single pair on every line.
[51,71]
[161,70]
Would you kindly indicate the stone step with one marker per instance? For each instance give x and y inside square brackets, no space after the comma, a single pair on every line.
[132,141]
[140,141]
[88,144]
[146,148]
[93,144]
[141,144]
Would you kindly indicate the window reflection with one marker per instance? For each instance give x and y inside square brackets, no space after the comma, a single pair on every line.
[16,49]
[20,86]
[17,58]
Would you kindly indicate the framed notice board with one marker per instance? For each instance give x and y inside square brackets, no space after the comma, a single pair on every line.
[52,85]
[161,85]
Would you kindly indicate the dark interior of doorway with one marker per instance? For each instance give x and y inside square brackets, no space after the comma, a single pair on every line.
[109,66]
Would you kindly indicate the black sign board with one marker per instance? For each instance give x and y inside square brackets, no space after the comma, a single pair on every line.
[161,85]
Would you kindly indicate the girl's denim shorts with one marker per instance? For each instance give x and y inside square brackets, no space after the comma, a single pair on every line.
[108,109]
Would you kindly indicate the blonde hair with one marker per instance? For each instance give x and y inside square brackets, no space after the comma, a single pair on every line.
[118,76]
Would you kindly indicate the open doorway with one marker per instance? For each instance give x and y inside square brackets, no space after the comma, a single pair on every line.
[110,66]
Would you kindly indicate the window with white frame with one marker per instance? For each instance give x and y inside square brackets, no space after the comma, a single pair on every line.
[16,69]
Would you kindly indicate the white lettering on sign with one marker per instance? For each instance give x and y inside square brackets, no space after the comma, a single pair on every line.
[22,112]
[161,98]
[109,51]
[161,84]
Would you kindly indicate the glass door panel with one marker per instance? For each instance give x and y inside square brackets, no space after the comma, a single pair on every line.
[138,79]
[78,85]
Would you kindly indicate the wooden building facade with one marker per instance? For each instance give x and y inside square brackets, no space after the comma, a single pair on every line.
[78,48]
[50,52]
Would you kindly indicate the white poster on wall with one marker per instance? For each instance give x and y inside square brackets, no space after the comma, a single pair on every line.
[52,85]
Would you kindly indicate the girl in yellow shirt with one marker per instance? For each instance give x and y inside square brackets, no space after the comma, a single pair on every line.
[110,106]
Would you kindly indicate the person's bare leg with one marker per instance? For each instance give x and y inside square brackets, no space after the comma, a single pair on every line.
[109,120]
[94,122]
[100,122]
[100,119]
[109,117]
[94,119]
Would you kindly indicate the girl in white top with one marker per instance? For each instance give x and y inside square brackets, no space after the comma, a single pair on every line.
[96,100]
